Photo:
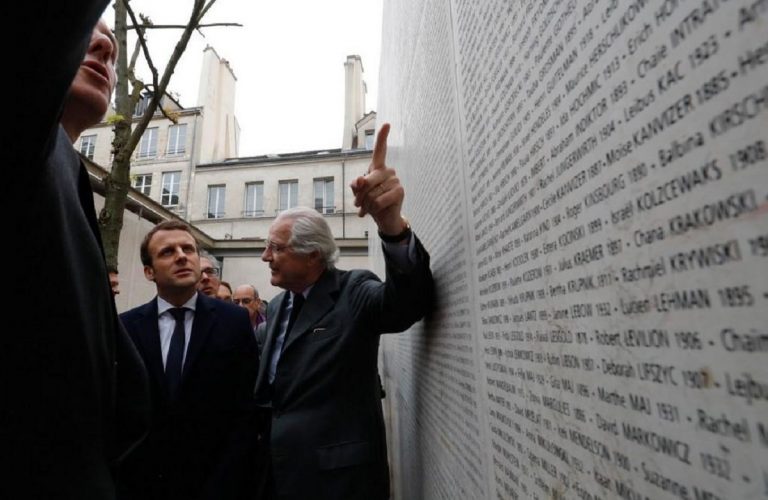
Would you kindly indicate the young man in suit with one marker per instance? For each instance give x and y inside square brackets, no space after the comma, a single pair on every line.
[201,356]
[318,374]
[73,389]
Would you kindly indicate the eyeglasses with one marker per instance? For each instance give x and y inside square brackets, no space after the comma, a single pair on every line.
[211,271]
[244,301]
[275,247]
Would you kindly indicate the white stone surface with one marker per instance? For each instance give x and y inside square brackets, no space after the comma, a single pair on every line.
[591,180]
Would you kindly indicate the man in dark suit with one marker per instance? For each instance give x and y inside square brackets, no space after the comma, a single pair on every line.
[320,345]
[73,389]
[201,356]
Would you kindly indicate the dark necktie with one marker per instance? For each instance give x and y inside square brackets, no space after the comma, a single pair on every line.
[173,364]
[298,302]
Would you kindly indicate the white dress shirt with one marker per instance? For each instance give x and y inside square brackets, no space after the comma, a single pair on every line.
[166,324]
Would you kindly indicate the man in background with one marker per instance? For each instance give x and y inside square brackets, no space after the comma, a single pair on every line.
[248,297]
[210,277]
[225,292]
[73,390]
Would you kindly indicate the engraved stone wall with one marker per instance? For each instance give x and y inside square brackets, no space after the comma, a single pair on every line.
[591,179]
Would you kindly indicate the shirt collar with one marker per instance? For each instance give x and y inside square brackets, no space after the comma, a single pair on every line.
[305,293]
[163,305]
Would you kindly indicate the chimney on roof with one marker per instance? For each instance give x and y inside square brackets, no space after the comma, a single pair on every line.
[354,98]
[220,131]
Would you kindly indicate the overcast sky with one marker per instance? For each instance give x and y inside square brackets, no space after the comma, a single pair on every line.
[289,61]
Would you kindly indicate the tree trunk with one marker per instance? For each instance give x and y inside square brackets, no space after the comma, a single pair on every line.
[118,180]
[127,138]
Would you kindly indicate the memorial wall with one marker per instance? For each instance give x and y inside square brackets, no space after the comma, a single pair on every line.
[591,179]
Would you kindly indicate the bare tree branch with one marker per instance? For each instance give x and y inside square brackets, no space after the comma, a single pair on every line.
[134,56]
[144,48]
[202,13]
[137,86]
[159,89]
[205,10]
[127,133]
[180,26]
[173,119]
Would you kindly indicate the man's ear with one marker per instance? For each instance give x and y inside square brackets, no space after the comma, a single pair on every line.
[149,273]
[314,257]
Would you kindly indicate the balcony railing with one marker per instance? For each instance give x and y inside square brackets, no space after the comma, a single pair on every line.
[253,213]
[326,210]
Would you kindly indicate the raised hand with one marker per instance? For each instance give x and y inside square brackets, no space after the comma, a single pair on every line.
[379,192]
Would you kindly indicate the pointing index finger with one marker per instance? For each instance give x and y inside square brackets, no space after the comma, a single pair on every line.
[380,149]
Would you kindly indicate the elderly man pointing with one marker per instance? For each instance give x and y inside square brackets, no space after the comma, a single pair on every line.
[318,375]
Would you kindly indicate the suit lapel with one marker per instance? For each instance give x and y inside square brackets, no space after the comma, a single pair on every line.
[321,299]
[273,327]
[274,310]
[205,317]
[85,196]
[148,336]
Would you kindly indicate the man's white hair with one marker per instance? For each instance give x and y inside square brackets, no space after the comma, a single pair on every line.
[310,232]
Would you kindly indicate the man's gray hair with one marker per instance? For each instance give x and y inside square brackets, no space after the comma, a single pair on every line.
[205,255]
[310,233]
